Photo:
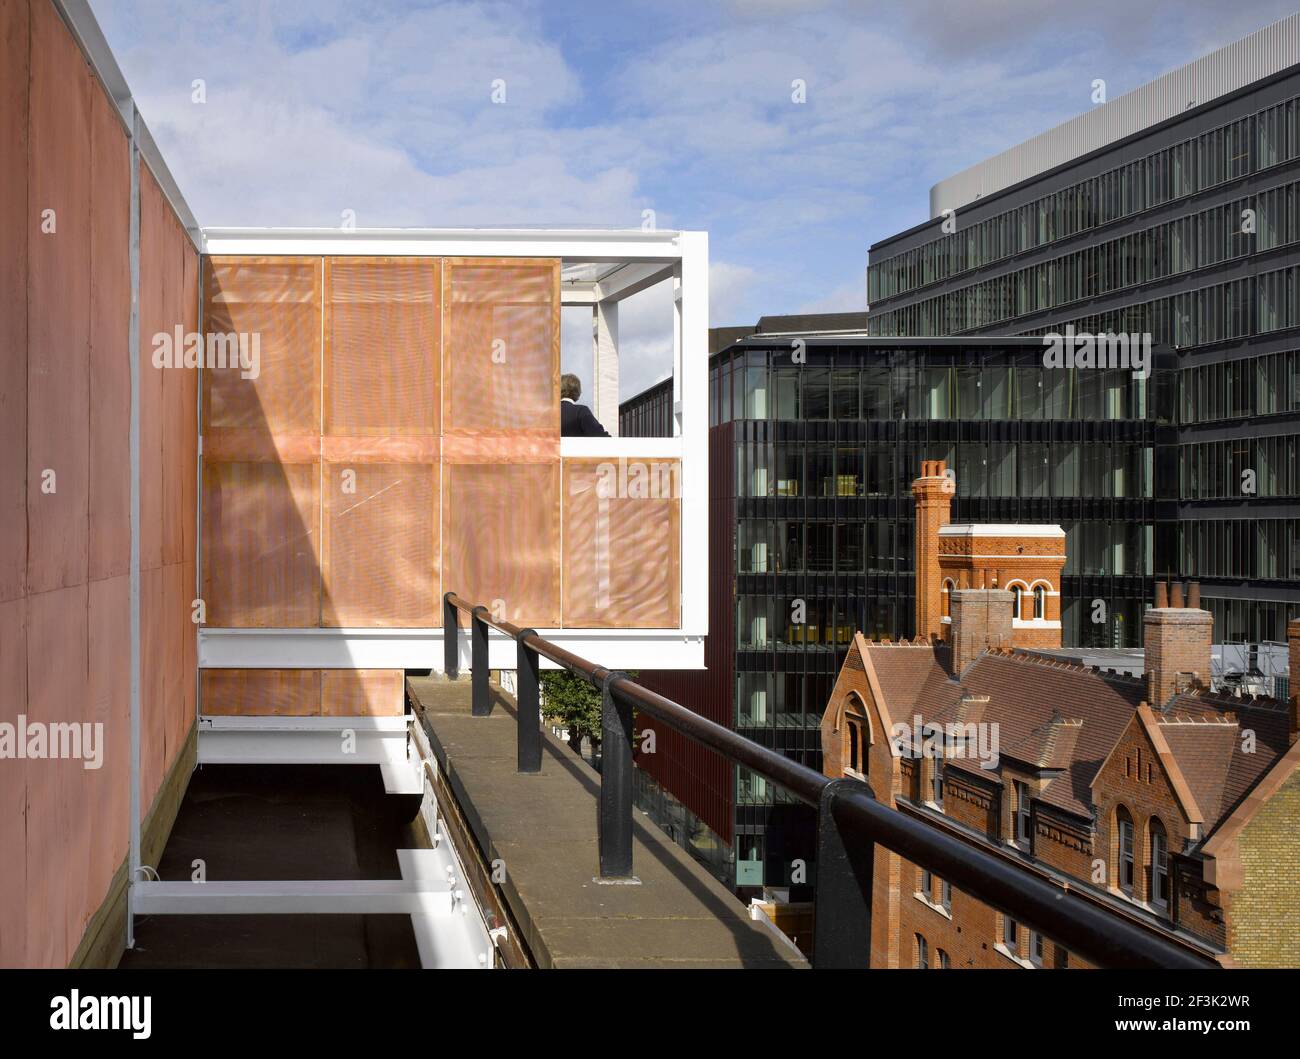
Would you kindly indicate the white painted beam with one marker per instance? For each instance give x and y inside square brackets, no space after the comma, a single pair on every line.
[631,279]
[424,897]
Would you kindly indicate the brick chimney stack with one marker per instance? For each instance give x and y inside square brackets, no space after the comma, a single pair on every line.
[933,492]
[1293,645]
[981,619]
[1177,640]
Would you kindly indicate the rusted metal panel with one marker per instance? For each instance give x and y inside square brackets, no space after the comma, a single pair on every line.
[261,692]
[501,539]
[261,567]
[380,546]
[14,31]
[109,699]
[622,544]
[58,307]
[363,692]
[110,363]
[382,357]
[14,910]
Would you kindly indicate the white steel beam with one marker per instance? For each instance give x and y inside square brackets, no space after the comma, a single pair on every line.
[604,364]
[304,741]
[632,278]
[424,897]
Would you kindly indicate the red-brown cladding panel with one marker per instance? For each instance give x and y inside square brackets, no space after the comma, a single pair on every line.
[14,33]
[261,692]
[14,912]
[110,357]
[363,692]
[58,319]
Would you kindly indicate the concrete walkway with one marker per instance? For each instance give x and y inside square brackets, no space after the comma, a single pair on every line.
[543,828]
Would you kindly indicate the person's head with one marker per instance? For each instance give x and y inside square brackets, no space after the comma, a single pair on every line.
[570,387]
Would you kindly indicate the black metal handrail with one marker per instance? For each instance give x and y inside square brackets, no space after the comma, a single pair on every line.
[850,821]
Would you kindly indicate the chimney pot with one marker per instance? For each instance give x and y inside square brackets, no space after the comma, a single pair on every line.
[1162,595]
[1177,601]
[1194,595]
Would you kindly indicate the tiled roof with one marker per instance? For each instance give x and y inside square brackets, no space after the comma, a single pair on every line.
[1057,715]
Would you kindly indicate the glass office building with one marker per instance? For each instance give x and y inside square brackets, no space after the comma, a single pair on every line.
[1186,227]
[815,442]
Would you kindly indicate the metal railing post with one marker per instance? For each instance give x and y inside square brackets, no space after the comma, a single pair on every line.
[450,638]
[478,665]
[615,782]
[529,700]
[842,902]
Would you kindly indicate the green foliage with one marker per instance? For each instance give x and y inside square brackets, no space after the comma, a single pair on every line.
[572,703]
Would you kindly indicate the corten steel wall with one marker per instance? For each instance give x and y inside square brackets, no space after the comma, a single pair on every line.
[65,415]
[401,439]
[700,779]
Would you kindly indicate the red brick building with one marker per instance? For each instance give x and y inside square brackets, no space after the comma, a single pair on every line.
[1153,796]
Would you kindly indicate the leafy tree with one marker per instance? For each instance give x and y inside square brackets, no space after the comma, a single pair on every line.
[571,702]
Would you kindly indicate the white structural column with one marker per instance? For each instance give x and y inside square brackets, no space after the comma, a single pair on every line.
[691,407]
[604,365]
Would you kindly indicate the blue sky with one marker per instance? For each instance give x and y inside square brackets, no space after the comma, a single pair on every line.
[685,108]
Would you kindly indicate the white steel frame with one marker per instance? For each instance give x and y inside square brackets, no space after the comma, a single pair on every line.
[637,260]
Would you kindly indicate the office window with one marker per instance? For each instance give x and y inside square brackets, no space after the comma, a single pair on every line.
[927,883]
[941,961]
[936,782]
[1010,935]
[945,895]
[1159,865]
[1040,603]
[922,954]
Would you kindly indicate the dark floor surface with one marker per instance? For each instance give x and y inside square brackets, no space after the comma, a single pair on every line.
[267,822]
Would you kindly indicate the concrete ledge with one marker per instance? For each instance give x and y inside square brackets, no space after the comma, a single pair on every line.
[543,829]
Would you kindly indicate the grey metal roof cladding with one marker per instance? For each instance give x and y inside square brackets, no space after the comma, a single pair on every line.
[1266,51]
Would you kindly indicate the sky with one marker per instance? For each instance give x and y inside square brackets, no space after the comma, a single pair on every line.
[795,132]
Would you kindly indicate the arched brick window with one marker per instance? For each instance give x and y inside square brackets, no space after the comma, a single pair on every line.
[1125,850]
[1160,889]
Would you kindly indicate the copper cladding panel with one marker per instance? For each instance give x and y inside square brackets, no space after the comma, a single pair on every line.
[13,788]
[110,362]
[380,552]
[109,699]
[58,812]
[363,692]
[501,361]
[622,544]
[382,358]
[14,32]
[261,567]
[154,217]
[278,300]
[502,539]
[58,307]
[261,692]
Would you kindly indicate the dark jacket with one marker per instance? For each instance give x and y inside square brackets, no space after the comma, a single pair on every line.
[576,421]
